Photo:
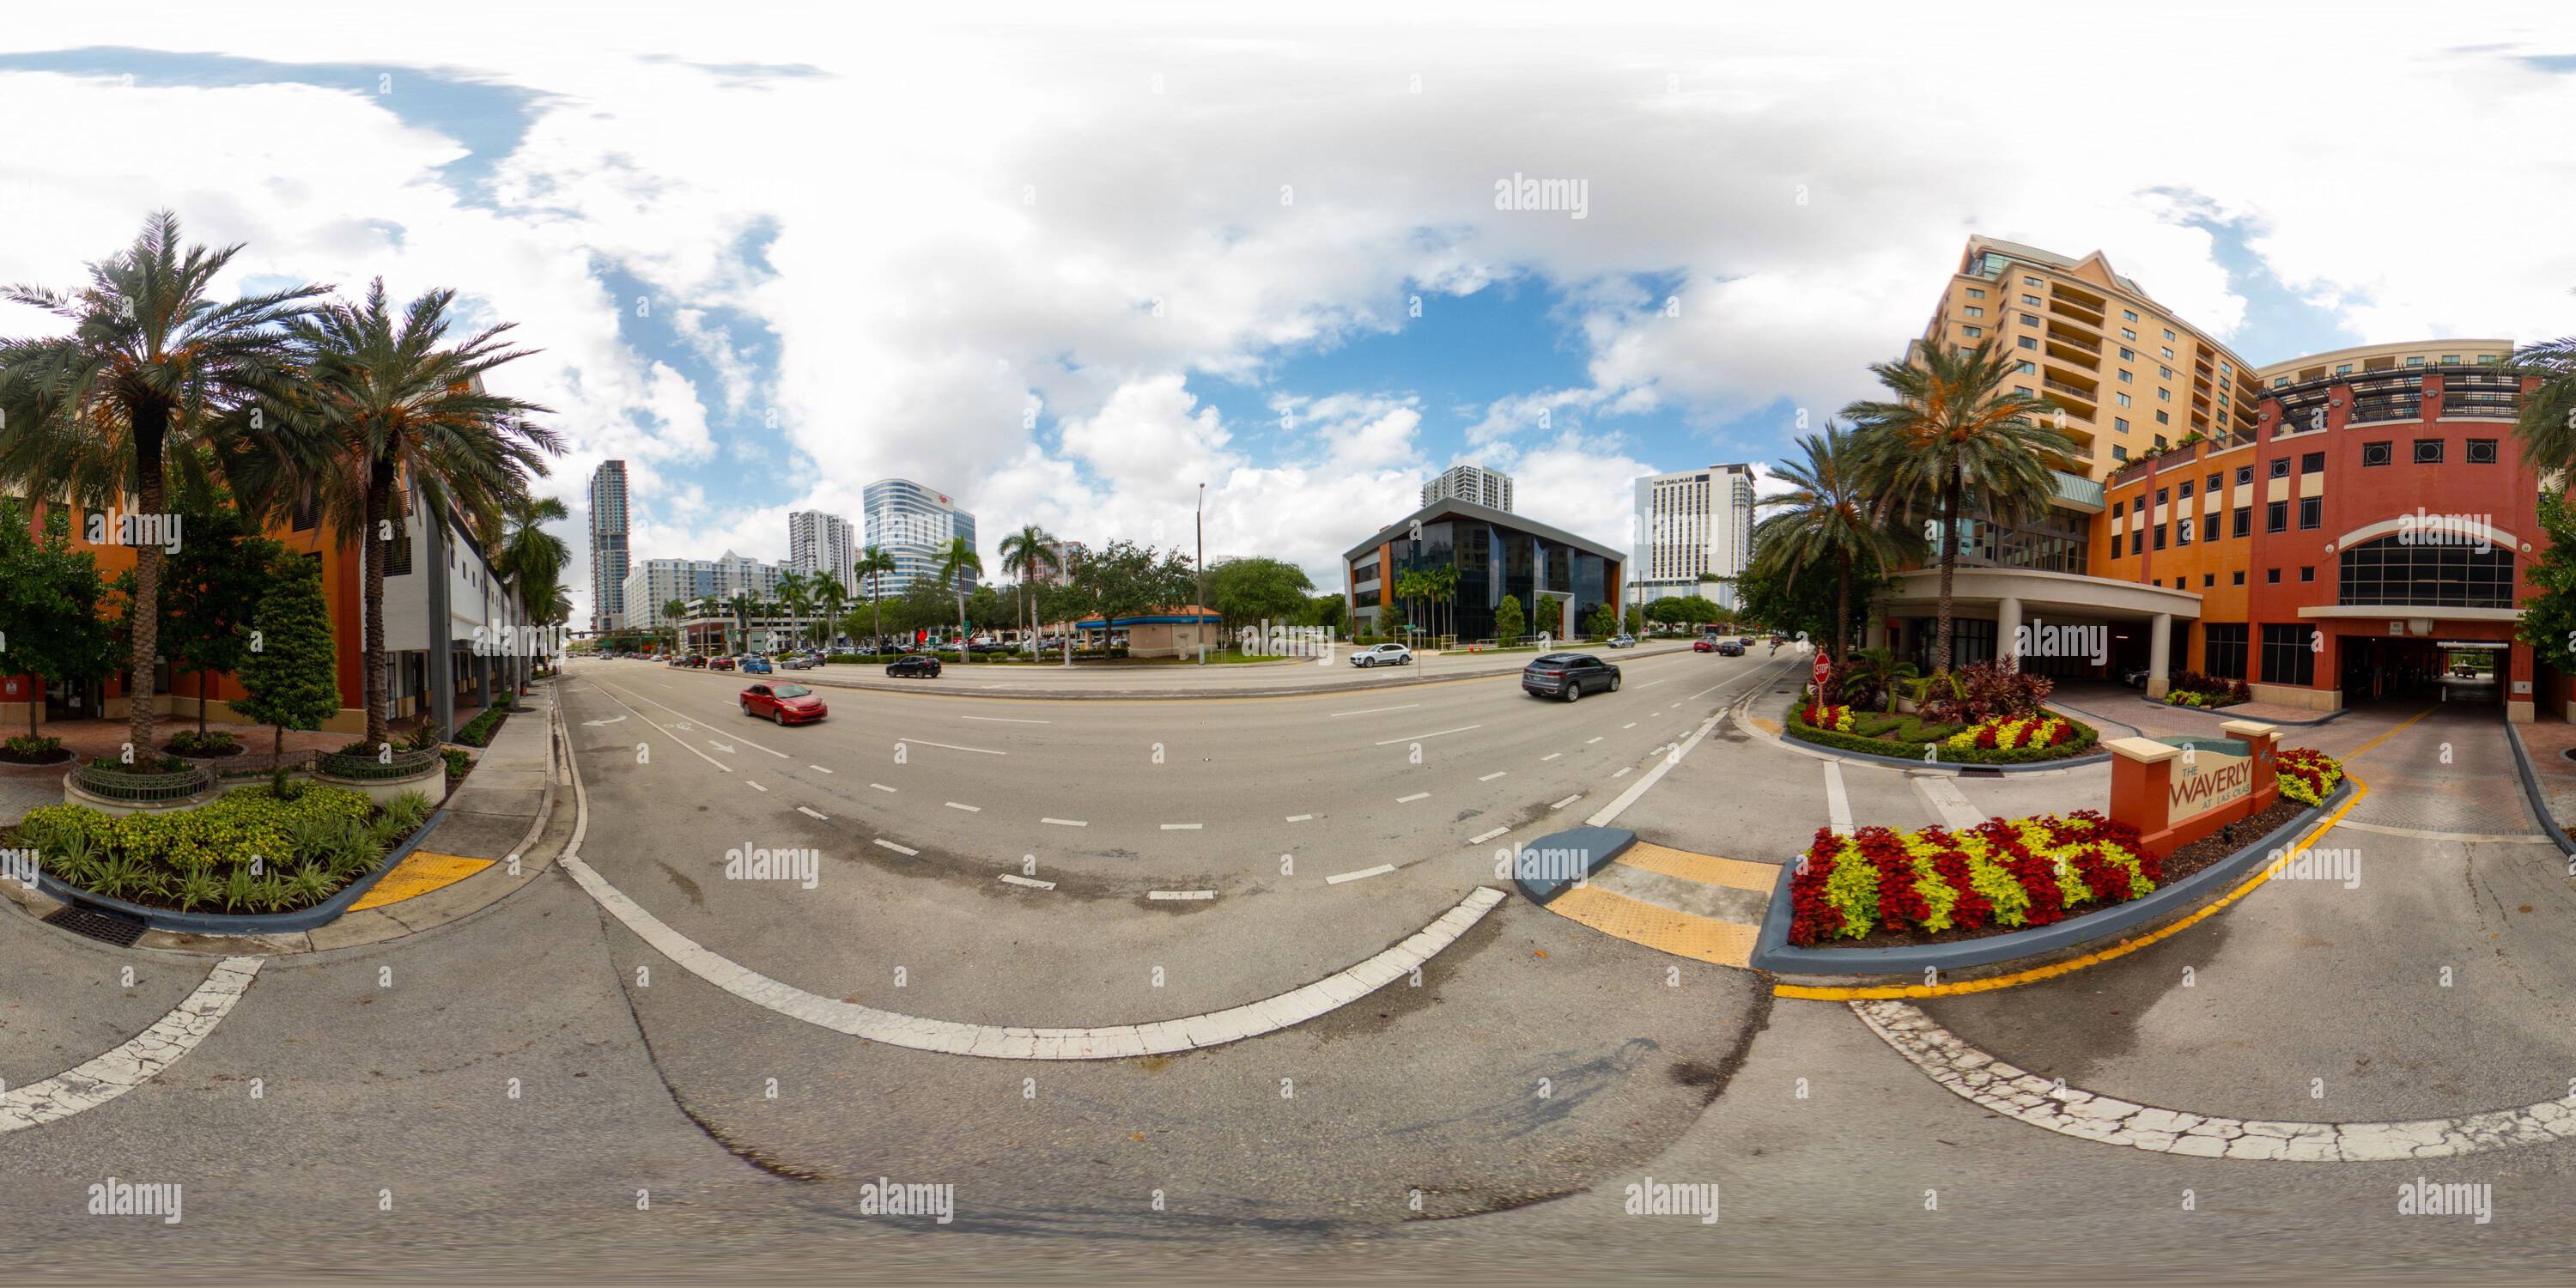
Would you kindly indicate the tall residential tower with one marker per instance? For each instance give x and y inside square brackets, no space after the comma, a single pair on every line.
[820,543]
[608,546]
[1693,524]
[914,525]
[1472,483]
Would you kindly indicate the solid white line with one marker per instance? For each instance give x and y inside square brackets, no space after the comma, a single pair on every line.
[1481,837]
[971,809]
[1378,871]
[881,787]
[1065,822]
[1652,683]
[139,1060]
[899,849]
[1184,827]
[1494,775]
[1647,780]
[1180,894]
[1370,711]
[1016,879]
[753,786]
[711,728]
[1550,756]
[1837,800]
[1004,720]
[980,751]
[1407,800]
[818,769]
[670,735]
[1420,736]
[802,810]
[1705,692]
[1301,818]
[1567,801]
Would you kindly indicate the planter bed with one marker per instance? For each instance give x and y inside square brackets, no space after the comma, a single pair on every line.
[1906,734]
[36,749]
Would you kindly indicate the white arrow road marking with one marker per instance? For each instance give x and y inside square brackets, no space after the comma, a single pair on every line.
[609,721]
[137,1062]
[684,724]
[2042,1102]
[723,747]
[1111,1042]
[689,746]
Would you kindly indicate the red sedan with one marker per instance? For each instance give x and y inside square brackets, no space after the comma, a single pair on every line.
[785,703]
[1703,645]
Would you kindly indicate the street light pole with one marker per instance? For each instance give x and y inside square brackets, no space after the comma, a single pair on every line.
[1198,516]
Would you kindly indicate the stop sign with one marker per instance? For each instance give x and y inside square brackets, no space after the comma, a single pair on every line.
[1824,668]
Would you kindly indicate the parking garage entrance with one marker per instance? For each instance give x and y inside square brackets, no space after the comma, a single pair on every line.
[2415,670]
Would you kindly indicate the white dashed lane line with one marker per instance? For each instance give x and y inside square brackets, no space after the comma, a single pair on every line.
[1301,818]
[1180,894]
[825,817]
[1567,801]
[1550,756]
[1184,827]
[1630,725]
[1389,742]
[971,809]
[899,849]
[1625,771]
[1370,711]
[881,787]
[1417,796]
[1589,741]
[1016,879]
[818,769]
[1378,871]
[753,786]
[710,727]
[1494,775]
[1065,822]
[1004,720]
[925,742]
[1481,837]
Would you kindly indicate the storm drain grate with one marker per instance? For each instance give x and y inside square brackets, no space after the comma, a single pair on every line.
[103,927]
[1981,773]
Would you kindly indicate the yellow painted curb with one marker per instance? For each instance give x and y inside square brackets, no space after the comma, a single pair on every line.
[2125,947]
[417,875]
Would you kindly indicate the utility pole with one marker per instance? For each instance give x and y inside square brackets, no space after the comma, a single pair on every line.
[1198,515]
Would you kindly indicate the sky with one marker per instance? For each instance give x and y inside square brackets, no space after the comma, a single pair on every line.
[1069,266]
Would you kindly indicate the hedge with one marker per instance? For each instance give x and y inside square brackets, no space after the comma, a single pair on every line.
[2085,737]
[248,850]
[478,731]
[1997,875]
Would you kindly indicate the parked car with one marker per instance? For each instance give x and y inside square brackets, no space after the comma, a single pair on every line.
[721,664]
[1388,654]
[696,662]
[1623,640]
[1730,648]
[756,666]
[1745,640]
[798,664]
[785,703]
[2134,676]
[914,664]
[1703,644]
[1568,675]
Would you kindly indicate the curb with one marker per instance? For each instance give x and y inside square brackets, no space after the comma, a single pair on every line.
[1598,846]
[1773,952]
[1822,751]
[2532,795]
[2336,714]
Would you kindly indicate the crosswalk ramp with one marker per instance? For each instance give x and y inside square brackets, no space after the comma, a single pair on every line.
[1698,906]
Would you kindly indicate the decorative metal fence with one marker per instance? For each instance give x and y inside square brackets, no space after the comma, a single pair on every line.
[400,764]
[120,784]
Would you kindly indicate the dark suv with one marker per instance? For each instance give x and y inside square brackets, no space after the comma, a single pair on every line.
[1568,675]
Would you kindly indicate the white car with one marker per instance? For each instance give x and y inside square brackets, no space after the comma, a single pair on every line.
[1383,655]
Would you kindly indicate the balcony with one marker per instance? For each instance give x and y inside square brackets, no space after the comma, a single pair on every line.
[2073,312]
[2480,406]
[2060,351]
[2071,391]
[2086,343]
[2082,299]
[2405,407]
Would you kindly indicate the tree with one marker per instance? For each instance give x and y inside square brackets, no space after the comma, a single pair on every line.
[832,596]
[1808,605]
[796,591]
[49,609]
[149,369]
[1025,554]
[530,558]
[1636,620]
[1827,518]
[289,668]
[387,401]
[1508,624]
[955,562]
[210,588]
[673,611]
[1954,439]
[1251,590]
[873,564]
[2546,423]
[1601,622]
[2549,616]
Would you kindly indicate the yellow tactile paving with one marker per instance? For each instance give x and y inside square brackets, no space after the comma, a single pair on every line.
[1720,943]
[1707,869]
[419,874]
[1766,725]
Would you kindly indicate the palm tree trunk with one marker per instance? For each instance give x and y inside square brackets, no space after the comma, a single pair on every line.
[205,682]
[1949,570]
[1842,612]
[380,487]
[151,426]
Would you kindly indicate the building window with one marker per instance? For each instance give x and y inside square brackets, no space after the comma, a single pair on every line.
[2312,513]
[2281,468]
[2343,369]
[2118,508]
[2392,571]
[2414,362]
[308,512]
[2128,315]
[2127,355]
[2167,353]
[2213,483]
[2029,320]
[2186,489]
[2280,382]
[2127,334]
[2124,375]
[2160,536]
[2208,579]
[2122,399]
[2307,573]
[2244,522]
[2271,576]
[2244,476]
[2209,527]
[2182,531]
[2163,418]
[2450,360]
[2164,395]
[2428,451]
[2031,281]
[1975,312]
[2286,659]
[2169,335]
[2482,451]
[2027,342]
[2276,516]
[2120,423]
[2313,463]
[2024,367]
[2164,495]
[2166,373]
[2239,578]
[1973,332]
[2222,648]
[2160,442]
[2120,451]
[1976,293]
[2031,300]
[2378,453]
[2137,540]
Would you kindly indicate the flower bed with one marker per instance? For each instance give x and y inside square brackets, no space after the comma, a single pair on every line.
[2207,692]
[1837,719]
[1903,736]
[2306,775]
[248,851]
[34,749]
[1997,876]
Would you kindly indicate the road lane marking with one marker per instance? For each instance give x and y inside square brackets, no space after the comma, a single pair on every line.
[1567,801]
[971,809]
[1378,871]
[1837,801]
[1180,894]
[1494,775]
[139,1059]
[690,747]
[1630,725]
[686,716]
[1407,800]
[1016,879]
[980,751]
[1436,733]
[1652,683]
[1550,756]
[802,810]
[881,787]
[1301,818]
[1184,827]
[1370,711]
[1481,837]
[1004,720]
[1589,741]
[1624,771]
[1947,800]
[818,769]
[753,785]
[1065,822]
[899,849]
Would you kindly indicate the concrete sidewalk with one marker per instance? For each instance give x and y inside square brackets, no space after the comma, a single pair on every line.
[492,811]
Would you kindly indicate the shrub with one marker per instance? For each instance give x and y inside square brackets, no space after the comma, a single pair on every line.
[2013,732]
[213,742]
[1902,737]
[1837,719]
[1999,874]
[2210,690]
[457,762]
[2307,775]
[141,765]
[200,857]
[32,748]
[479,730]
[1984,691]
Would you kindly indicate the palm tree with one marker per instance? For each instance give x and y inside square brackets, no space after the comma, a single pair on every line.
[149,369]
[1827,517]
[531,558]
[1025,554]
[795,590]
[743,606]
[673,610]
[831,596]
[874,563]
[388,406]
[957,560]
[1955,440]
[2547,425]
